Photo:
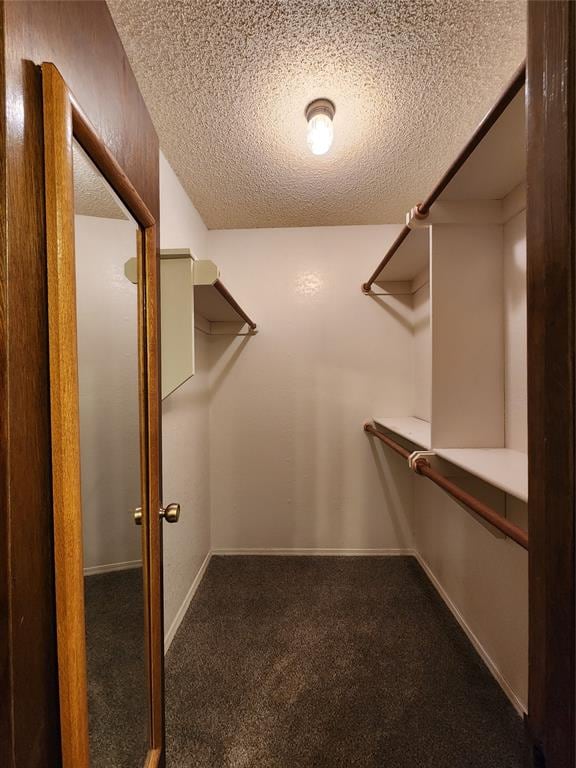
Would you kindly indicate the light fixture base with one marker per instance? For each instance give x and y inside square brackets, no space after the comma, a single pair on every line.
[320,107]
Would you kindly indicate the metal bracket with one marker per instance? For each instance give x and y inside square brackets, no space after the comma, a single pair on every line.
[415,455]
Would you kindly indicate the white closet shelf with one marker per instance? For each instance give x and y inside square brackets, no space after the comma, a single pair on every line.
[215,309]
[498,164]
[212,300]
[415,430]
[489,168]
[213,303]
[501,467]
[413,257]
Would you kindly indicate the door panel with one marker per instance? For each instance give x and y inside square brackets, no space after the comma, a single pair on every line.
[104,396]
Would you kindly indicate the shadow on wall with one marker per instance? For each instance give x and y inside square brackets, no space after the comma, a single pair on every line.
[404,299]
[386,476]
[218,347]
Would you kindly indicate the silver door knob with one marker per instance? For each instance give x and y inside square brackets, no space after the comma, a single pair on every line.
[171,513]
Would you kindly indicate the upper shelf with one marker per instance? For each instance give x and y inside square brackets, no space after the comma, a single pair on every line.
[212,300]
[498,164]
[489,167]
[213,305]
[413,258]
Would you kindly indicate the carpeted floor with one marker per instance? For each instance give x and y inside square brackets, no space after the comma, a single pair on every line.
[293,662]
[117,685]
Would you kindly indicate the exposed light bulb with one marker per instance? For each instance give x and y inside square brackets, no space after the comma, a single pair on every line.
[320,133]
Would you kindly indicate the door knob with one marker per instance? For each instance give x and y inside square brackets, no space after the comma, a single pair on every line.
[171,513]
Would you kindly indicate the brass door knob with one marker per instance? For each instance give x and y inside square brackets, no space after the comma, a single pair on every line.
[171,513]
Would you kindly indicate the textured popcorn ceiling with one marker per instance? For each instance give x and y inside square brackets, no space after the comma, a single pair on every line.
[227,81]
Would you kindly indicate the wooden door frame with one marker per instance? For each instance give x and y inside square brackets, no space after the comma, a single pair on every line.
[551,230]
[64,121]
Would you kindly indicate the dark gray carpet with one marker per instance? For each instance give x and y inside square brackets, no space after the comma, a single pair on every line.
[286,662]
[117,687]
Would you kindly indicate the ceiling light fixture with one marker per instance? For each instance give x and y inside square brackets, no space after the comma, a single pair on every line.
[319,114]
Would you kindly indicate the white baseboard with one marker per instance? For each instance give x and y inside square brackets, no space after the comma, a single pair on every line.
[94,570]
[518,705]
[169,636]
[314,551]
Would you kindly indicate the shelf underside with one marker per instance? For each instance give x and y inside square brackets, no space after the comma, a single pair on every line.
[495,168]
[211,305]
[409,260]
[501,467]
[498,164]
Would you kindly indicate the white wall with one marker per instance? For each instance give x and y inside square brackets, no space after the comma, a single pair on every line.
[107,311]
[422,352]
[515,333]
[291,466]
[185,425]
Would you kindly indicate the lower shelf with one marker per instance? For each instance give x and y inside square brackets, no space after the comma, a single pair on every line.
[501,467]
[415,430]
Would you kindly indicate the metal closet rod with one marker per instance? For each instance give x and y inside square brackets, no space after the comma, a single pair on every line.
[423,209]
[225,293]
[422,467]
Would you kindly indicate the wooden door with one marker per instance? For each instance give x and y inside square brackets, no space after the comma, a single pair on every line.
[64,126]
[551,135]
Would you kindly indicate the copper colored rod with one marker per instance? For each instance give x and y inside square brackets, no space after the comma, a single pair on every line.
[509,529]
[508,94]
[388,440]
[486,513]
[423,208]
[391,251]
[222,290]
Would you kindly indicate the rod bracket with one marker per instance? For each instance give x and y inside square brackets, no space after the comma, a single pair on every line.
[416,456]
[415,219]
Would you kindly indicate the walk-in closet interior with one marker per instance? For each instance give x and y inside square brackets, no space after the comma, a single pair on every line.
[288,384]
